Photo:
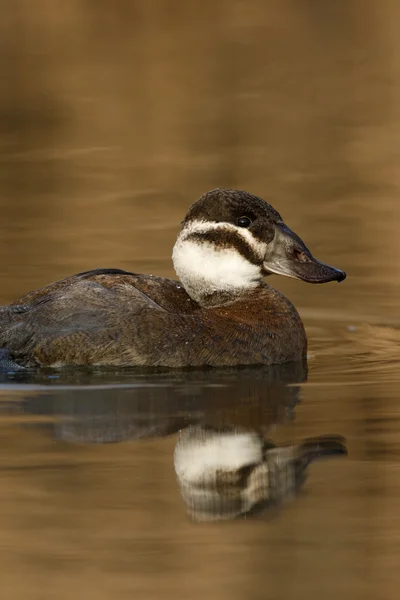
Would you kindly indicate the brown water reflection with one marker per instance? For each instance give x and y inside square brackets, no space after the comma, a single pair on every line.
[113,119]
[79,516]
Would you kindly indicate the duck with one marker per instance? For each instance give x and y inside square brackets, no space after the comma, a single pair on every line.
[221,312]
[231,472]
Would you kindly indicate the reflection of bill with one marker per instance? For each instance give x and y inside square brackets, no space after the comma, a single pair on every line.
[227,473]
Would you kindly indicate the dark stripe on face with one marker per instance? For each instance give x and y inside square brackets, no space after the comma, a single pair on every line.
[223,239]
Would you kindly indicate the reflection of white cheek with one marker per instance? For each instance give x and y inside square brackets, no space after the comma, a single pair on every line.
[201,457]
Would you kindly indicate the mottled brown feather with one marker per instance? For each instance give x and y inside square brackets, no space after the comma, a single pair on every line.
[112,317]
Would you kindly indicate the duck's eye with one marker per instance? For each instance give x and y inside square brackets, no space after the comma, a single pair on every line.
[244,222]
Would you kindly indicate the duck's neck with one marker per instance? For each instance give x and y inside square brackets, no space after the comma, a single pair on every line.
[213,276]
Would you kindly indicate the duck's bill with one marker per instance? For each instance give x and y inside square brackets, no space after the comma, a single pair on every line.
[324,445]
[289,256]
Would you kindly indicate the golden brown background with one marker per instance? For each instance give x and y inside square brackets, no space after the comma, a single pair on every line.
[114,117]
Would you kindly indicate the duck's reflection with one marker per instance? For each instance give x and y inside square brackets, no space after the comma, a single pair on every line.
[228,473]
[224,463]
[155,405]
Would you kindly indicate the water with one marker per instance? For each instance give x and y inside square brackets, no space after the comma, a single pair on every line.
[113,120]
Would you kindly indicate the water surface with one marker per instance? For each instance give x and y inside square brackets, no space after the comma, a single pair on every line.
[113,120]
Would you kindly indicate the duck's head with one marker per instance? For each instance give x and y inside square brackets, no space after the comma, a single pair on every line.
[226,473]
[230,240]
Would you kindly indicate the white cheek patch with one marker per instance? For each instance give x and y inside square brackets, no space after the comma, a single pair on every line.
[199,263]
[201,458]
[204,268]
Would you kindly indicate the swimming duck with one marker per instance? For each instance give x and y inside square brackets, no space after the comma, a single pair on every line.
[223,474]
[221,313]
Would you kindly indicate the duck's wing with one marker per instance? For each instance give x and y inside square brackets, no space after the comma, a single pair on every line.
[93,317]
